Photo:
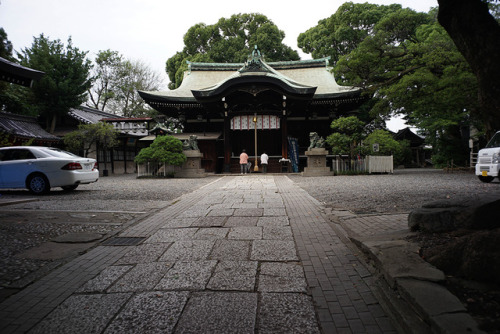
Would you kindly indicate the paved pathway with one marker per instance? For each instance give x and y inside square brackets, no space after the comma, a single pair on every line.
[244,254]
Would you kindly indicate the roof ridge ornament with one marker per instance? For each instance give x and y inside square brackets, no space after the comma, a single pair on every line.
[254,62]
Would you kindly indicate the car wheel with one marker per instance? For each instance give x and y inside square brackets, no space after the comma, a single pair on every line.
[486,179]
[70,188]
[38,184]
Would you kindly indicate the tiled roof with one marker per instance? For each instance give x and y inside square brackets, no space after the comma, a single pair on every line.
[23,126]
[127,125]
[90,115]
[302,73]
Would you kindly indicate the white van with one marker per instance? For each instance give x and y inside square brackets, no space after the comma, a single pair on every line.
[488,160]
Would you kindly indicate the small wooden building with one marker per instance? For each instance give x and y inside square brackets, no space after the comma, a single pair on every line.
[256,106]
[21,129]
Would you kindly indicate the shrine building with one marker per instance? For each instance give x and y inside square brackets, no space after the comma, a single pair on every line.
[257,106]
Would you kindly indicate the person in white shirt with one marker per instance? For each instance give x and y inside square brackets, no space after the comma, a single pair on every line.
[264,158]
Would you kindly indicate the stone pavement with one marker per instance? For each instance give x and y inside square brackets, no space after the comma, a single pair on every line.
[245,254]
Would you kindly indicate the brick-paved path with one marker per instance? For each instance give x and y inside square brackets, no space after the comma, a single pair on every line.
[243,254]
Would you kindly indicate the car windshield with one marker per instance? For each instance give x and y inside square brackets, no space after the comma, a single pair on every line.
[55,152]
[495,141]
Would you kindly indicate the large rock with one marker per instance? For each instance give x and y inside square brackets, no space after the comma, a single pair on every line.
[443,216]
[475,256]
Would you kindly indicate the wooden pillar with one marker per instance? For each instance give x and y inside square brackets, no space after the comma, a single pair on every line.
[284,137]
[227,144]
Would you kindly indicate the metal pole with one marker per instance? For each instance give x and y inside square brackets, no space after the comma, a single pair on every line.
[256,168]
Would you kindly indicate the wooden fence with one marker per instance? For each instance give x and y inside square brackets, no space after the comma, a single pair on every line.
[152,169]
[369,164]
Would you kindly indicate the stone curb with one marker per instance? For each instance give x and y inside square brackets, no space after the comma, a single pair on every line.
[418,284]
[5,201]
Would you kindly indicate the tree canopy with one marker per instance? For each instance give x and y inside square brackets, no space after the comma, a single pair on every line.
[164,149]
[408,65]
[229,41]
[89,136]
[115,84]
[5,45]
[12,97]
[347,135]
[66,79]
[342,32]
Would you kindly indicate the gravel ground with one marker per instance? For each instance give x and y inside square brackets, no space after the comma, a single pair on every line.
[102,207]
[400,192]
[113,193]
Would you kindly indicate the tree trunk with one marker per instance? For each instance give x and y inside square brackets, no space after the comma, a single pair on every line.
[53,123]
[477,36]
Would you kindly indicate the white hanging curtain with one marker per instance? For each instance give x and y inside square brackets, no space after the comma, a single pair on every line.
[264,122]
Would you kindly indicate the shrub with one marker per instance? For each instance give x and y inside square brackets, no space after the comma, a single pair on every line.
[164,149]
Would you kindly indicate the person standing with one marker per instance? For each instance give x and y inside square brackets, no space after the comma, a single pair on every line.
[264,158]
[243,162]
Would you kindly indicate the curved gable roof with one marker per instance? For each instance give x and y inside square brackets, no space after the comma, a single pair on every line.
[304,77]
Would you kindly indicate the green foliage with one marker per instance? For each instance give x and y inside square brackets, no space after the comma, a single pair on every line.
[348,132]
[116,83]
[229,41]
[387,145]
[5,139]
[12,97]
[406,62]
[89,136]
[104,78]
[342,32]
[5,46]
[66,78]
[164,149]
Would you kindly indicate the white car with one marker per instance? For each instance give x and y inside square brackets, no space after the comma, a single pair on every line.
[40,168]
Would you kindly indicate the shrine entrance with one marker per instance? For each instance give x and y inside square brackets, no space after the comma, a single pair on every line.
[287,99]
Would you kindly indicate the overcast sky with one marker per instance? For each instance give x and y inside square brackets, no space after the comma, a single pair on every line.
[152,30]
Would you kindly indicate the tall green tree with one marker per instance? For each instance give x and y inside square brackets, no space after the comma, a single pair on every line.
[413,68]
[12,97]
[409,66]
[133,76]
[5,45]
[229,41]
[115,82]
[66,80]
[104,78]
[342,32]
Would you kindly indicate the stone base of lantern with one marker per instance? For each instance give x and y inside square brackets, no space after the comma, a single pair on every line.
[316,163]
[191,168]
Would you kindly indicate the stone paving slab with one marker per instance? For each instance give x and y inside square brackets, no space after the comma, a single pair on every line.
[222,312]
[143,277]
[231,250]
[150,312]
[234,276]
[273,250]
[193,275]
[282,277]
[188,250]
[83,314]
[105,279]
